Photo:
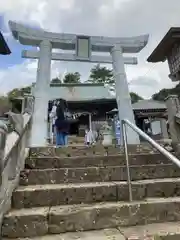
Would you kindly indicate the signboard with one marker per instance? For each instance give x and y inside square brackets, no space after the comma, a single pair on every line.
[156,127]
[83,48]
[174,63]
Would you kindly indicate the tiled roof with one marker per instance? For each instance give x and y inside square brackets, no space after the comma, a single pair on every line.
[148,104]
[161,52]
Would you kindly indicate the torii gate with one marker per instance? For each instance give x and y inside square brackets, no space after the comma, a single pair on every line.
[83,47]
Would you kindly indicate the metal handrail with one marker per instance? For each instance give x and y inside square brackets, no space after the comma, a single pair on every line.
[162,150]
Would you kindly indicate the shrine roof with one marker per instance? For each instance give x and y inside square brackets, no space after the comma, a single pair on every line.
[4,49]
[148,105]
[161,51]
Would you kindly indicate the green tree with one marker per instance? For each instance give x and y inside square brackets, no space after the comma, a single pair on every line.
[56,80]
[19,92]
[135,97]
[165,92]
[101,75]
[72,78]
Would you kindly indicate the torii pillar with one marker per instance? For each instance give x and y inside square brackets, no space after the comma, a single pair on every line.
[40,114]
[122,94]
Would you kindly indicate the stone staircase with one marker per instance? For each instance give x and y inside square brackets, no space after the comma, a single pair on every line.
[82,193]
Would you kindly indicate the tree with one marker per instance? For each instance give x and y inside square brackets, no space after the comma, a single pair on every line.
[56,80]
[135,97]
[164,93]
[101,75]
[19,92]
[72,78]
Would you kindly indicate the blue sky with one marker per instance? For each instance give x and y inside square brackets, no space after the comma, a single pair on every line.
[16,48]
[116,18]
[15,57]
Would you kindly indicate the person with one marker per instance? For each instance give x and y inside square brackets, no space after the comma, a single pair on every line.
[53,116]
[88,137]
[61,124]
[68,117]
[118,131]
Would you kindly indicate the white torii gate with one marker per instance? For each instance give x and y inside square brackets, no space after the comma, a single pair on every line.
[83,47]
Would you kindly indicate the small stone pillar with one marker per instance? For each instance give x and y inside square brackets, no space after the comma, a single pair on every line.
[3,137]
[173,107]
[17,122]
[164,128]
[23,106]
[90,121]
[123,98]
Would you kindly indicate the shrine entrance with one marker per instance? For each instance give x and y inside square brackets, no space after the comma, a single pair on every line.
[83,47]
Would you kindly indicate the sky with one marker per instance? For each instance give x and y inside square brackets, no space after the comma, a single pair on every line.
[114,18]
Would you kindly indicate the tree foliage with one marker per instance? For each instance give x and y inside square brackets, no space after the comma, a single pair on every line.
[56,80]
[164,93]
[72,78]
[101,75]
[19,92]
[135,97]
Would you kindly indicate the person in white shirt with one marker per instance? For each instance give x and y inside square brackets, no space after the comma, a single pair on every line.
[89,138]
[53,117]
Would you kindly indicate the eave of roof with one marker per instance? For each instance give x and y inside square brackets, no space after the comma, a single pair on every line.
[161,51]
[4,49]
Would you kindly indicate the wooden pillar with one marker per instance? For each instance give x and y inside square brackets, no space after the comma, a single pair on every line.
[173,107]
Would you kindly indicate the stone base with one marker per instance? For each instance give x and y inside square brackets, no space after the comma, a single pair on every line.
[76,151]
[97,174]
[62,194]
[73,218]
[48,162]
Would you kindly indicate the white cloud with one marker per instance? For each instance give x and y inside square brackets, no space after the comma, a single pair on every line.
[100,17]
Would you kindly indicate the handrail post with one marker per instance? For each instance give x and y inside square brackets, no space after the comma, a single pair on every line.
[158,147]
[127,161]
[3,137]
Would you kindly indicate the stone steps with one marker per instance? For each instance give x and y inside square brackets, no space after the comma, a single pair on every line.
[61,194]
[80,151]
[107,234]
[165,231]
[45,162]
[64,191]
[83,217]
[97,174]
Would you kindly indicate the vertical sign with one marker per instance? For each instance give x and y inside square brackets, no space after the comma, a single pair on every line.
[83,48]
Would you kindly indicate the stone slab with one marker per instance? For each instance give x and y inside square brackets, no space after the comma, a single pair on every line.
[72,151]
[84,217]
[165,231]
[94,161]
[110,215]
[25,223]
[54,194]
[106,234]
[158,231]
[96,174]
[58,194]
